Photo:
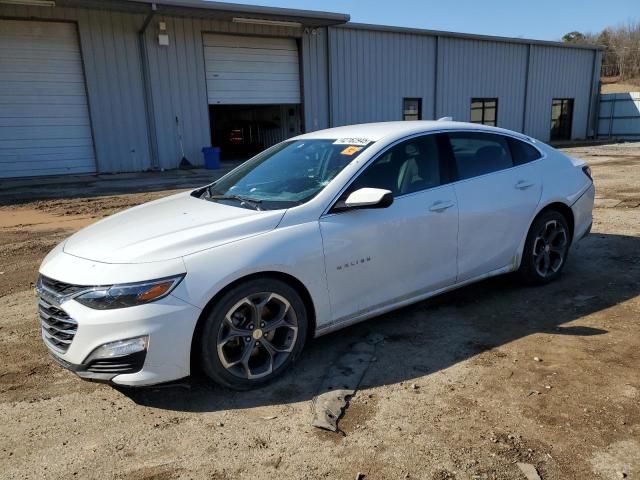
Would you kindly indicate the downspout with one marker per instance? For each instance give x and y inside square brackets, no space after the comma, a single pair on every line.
[148,92]
[525,100]
[329,81]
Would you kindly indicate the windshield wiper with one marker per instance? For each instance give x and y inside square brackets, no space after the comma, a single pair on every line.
[252,202]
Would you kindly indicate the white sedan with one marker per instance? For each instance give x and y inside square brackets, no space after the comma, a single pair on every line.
[314,234]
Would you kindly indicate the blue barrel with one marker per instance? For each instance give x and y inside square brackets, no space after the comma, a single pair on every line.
[211,157]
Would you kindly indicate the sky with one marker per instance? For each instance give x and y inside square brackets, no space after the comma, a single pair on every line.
[538,19]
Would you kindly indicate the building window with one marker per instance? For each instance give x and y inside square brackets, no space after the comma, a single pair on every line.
[561,118]
[412,109]
[484,111]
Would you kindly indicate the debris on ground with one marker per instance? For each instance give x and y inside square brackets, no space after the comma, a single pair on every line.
[529,471]
[341,383]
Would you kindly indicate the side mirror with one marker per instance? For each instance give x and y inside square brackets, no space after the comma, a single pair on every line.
[369,198]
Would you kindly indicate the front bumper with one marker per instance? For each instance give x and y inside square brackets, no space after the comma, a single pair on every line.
[105,370]
[168,323]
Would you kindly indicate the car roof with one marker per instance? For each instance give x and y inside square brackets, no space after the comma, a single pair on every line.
[391,131]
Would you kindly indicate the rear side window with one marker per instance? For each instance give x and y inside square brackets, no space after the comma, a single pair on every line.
[478,153]
[523,152]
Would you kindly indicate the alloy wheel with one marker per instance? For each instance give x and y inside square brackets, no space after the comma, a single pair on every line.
[257,335]
[549,248]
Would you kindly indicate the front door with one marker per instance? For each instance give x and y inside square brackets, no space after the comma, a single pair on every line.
[375,257]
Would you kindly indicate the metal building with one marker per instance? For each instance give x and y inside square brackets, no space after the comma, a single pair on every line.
[96,86]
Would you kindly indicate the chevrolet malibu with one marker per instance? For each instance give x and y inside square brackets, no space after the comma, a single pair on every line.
[314,234]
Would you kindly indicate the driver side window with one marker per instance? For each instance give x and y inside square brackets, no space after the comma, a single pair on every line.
[409,166]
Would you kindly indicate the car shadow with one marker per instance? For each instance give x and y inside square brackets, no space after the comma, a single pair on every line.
[433,335]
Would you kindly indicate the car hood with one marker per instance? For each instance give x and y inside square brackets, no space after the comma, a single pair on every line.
[168,228]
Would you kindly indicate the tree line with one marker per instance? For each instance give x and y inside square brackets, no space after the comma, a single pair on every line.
[621,57]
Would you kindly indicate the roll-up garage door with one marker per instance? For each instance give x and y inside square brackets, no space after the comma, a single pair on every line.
[251,70]
[44,117]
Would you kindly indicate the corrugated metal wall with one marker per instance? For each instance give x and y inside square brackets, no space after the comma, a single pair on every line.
[350,75]
[115,84]
[619,116]
[112,67]
[473,68]
[315,79]
[178,83]
[371,71]
[558,73]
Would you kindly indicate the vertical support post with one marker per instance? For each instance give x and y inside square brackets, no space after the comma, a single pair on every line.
[611,113]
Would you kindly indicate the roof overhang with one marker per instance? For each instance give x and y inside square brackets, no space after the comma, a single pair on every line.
[219,10]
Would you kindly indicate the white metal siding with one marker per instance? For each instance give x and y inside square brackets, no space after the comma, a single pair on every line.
[251,70]
[556,72]
[619,116]
[315,68]
[178,83]
[44,117]
[372,71]
[473,68]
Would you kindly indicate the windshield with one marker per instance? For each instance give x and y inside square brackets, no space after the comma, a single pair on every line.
[288,174]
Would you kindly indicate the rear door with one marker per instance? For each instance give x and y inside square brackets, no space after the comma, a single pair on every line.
[497,197]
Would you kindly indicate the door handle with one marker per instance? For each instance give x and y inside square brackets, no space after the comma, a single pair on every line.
[523,185]
[441,206]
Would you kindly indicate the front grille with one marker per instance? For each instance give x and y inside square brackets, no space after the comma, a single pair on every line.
[60,288]
[131,363]
[58,329]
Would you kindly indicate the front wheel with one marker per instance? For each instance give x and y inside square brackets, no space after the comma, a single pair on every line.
[546,249]
[253,333]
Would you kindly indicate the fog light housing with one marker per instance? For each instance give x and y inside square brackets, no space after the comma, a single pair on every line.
[119,348]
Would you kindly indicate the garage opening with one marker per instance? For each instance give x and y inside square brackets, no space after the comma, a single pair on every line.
[242,131]
[253,91]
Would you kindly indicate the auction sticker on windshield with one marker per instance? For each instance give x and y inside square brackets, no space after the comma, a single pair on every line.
[362,142]
[350,150]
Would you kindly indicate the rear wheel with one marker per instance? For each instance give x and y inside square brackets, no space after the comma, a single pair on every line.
[253,333]
[546,249]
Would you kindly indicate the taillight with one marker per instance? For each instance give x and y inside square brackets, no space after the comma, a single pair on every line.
[587,171]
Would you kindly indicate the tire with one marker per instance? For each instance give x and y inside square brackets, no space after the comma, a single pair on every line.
[546,249]
[253,333]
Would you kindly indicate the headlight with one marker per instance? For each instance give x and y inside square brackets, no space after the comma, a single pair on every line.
[128,295]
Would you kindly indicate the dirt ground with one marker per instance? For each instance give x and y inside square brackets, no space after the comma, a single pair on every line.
[454,392]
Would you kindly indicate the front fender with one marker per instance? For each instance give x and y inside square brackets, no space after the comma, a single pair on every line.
[296,251]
